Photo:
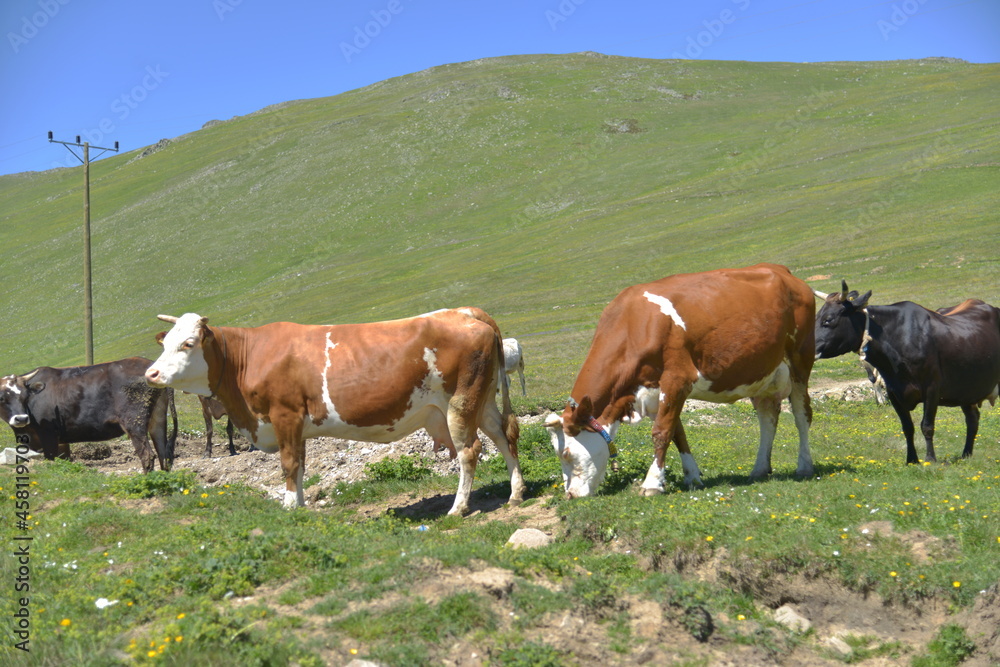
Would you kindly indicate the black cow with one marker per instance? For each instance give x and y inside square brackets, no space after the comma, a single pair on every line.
[949,358]
[49,408]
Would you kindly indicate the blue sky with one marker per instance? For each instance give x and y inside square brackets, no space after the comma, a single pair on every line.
[136,72]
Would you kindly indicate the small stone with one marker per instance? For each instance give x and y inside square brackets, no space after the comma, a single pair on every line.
[791,619]
[528,538]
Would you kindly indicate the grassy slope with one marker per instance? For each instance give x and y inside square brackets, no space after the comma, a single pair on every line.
[498,183]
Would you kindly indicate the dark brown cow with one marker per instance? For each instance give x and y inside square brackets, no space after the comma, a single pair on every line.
[716,336]
[282,383]
[946,358]
[50,408]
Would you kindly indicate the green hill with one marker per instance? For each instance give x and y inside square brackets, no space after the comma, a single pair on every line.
[536,187]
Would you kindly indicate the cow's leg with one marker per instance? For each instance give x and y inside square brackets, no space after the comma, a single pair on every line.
[292,449]
[768,408]
[209,429]
[229,434]
[907,423]
[927,422]
[520,373]
[666,427]
[971,428]
[802,411]
[157,430]
[692,475]
[468,457]
[143,450]
[492,425]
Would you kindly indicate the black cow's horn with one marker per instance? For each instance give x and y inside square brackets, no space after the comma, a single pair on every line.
[27,378]
[820,295]
[168,318]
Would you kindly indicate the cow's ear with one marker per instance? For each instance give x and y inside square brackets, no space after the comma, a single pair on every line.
[159,338]
[861,301]
[584,411]
[36,387]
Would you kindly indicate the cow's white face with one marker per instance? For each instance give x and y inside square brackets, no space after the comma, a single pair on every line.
[182,363]
[584,458]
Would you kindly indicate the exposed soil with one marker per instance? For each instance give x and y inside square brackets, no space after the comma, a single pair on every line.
[665,633]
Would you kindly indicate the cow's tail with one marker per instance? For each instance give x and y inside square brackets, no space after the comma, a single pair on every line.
[512,429]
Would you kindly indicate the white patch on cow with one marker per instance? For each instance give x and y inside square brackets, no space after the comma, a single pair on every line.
[467,311]
[327,401]
[11,385]
[434,380]
[433,312]
[266,440]
[666,308]
[777,382]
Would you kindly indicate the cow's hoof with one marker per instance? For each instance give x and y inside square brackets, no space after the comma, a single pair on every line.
[650,492]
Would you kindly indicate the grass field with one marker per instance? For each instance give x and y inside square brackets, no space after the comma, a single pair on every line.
[536,187]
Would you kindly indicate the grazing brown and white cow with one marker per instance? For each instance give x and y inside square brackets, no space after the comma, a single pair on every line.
[716,336]
[282,383]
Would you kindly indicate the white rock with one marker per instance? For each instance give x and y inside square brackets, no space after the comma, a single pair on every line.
[528,538]
[791,619]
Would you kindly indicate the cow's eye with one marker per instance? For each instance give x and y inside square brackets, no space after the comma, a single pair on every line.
[188,344]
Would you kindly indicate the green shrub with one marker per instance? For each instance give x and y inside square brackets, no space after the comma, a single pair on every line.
[530,654]
[950,647]
[406,469]
[155,483]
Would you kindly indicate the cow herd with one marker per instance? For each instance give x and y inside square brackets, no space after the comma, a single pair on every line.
[719,336]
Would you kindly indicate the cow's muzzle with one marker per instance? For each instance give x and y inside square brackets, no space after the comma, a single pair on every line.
[154,377]
[19,421]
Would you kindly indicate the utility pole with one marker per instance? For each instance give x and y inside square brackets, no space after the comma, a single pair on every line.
[88,300]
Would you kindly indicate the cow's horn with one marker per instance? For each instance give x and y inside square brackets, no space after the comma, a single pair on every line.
[27,378]
[820,295]
[168,318]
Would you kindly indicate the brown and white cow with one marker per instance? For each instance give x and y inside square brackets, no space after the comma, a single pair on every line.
[282,383]
[715,336]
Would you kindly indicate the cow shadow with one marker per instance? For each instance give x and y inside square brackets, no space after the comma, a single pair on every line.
[820,470]
[624,483]
[487,498]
